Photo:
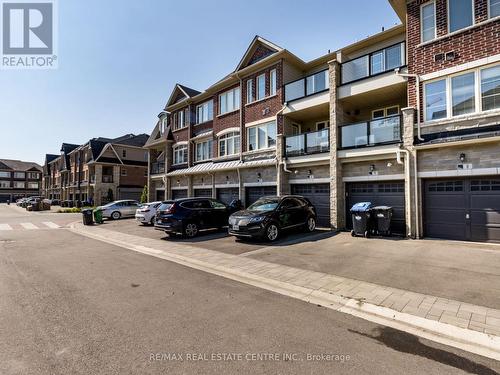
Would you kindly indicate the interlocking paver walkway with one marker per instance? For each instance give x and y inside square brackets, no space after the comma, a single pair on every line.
[456,313]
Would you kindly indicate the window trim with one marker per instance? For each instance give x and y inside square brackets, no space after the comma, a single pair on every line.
[448,18]
[250,97]
[201,106]
[257,86]
[266,147]
[489,11]
[210,150]
[175,149]
[224,138]
[235,102]
[273,84]
[433,2]
[385,111]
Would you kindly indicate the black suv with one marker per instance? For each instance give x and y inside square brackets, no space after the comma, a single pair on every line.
[269,216]
[190,215]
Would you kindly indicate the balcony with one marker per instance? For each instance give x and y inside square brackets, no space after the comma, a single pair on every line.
[371,133]
[107,179]
[157,168]
[307,143]
[307,86]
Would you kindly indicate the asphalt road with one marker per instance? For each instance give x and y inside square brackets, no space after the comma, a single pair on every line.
[72,305]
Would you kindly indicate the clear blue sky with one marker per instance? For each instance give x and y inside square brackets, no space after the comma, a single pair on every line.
[119,60]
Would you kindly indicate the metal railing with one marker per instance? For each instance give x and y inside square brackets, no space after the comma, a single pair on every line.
[370,133]
[157,168]
[308,143]
[306,86]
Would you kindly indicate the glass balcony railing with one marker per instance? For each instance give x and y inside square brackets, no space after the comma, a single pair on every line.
[307,143]
[370,133]
[157,168]
[309,85]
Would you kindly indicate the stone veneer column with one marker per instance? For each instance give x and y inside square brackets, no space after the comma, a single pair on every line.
[98,185]
[281,178]
[168,164]
[151,196]
[116,180]
[337,196]
[410,204]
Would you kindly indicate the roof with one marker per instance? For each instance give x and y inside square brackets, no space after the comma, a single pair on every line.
[157,137]
[228,165]
[18,165]
[399,7]
[131,140]
[50,157]
[182,90]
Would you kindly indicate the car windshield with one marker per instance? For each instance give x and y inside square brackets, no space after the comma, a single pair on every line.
[264,204]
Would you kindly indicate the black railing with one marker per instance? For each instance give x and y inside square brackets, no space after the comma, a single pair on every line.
[370,133]
[306,86]
[307,143]
[372,64]
[157,168]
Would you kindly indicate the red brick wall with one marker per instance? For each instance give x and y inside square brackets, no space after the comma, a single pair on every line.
[473,44]
[135,176]
[225,121]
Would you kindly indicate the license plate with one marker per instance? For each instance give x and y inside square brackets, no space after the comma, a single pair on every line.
[236,227]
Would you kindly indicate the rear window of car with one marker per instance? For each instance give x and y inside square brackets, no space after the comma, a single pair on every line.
[165,206]
[196,204]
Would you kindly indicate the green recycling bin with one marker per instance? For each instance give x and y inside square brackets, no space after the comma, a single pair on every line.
[98,216]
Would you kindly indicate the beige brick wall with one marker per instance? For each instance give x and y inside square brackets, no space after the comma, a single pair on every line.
[358,169]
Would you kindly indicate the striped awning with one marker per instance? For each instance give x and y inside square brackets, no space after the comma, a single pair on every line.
[223,166]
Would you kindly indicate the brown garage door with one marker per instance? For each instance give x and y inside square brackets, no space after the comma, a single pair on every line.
[463,209]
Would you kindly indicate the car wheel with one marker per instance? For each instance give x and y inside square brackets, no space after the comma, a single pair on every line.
[190,230]
[272,232]
[311,224]
[116,215]
[152,221]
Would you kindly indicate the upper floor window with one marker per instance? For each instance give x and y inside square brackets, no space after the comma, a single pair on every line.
[33,175]
[490,88]
[435,100]
[262,136]
[229,101]
[205,112]
[124,153]
[229,144]
[124,172]
[249,91]
[428,21]
[180,120]
[272,82]
[19,175]
[261,86]
[180,154]
[5,174]
[494,8]
[4,184]
[460,14]
[19,184]
[32,185]
[463,94]
[203,150]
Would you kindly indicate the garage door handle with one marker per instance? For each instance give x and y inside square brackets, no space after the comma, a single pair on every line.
[467,216]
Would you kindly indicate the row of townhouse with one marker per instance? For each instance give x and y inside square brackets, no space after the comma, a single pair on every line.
[408,118]
[97,171]
[19,179]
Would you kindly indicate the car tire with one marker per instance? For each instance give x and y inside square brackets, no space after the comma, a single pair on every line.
[272,232]
[116,215]
[190,230]
[152,221]
[310,224]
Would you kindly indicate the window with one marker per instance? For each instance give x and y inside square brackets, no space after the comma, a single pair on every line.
[205,112]
[124,171]
[5,174]
[250,91]
[490,88]
[393,58]
[272,82]
[203,150]
[33,175]
[385,112]
[19,184]
[229,101]
[428,21]
[32,185]
[180,154]
[460,14]
[494,8]
[462,94]
[4,184]
[262,136]
[218,205]
[124,153]
[19,175]
[261,86]
[378,62]
[229,144]
[180,120]
[435,100]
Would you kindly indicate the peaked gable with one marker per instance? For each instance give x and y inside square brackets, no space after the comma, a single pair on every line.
[4,166]
[259,49]
[180,93]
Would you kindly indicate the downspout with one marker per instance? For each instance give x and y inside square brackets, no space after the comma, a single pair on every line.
[236,75]
[417,83]
[285,105]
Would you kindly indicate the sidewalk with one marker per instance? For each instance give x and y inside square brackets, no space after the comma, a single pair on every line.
[470,327]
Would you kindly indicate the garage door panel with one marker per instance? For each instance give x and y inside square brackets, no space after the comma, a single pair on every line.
[319,195]
[445,201]
[203,193]
[452,232]
[254,193]
[178,194]
[227,195]
[478,217]
[486,201]
[442,216]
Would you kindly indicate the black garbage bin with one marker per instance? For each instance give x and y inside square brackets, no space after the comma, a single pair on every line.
[87,217]
[382,216]
[361,219]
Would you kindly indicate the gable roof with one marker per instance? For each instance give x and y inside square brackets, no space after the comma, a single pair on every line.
[181,91]
[131,140]
[18,165]
[258,49]
[156,136]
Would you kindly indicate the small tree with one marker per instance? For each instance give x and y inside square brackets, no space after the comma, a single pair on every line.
[144,195]
[110,195]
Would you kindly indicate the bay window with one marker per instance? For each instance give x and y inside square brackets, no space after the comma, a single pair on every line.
[462,94]
[490,88]
[229,101]
[261,86]
[261,136]
[203,150]
[428,21]
[180,154]
[205,112]
[229,144]
[460,14]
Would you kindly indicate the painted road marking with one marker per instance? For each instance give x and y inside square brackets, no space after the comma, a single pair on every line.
[29,226]
[50,224]
[5,227]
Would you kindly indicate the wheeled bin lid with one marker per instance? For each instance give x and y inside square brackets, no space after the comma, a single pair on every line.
[361,207]
[382,208]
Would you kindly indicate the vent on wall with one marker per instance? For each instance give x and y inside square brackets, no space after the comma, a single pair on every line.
[450,56]
[438,57]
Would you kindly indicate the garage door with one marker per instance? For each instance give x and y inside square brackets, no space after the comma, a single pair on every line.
[319,195]
[205,193]
[178,194]
[160,195]
[463,209]
[4,198]
[391,193]
[227,195]
[129,193]
[254,193]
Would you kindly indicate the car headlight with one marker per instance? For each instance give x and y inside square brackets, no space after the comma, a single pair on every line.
[257,219]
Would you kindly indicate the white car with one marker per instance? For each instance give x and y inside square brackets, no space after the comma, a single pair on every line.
[118,209]
[147,212]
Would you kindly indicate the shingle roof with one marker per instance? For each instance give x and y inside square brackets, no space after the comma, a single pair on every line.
[131,140]
[18,165]
[191,92]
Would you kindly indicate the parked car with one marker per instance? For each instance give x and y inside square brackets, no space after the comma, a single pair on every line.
[20,201]
[188,216]
[269,216]
[146,213]
[118,209]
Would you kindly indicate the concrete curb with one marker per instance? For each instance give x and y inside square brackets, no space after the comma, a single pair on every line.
[472,341]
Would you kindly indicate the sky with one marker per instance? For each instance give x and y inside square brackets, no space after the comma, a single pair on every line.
[119,61]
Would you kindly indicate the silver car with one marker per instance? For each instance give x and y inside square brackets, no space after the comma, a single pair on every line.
[118,209]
